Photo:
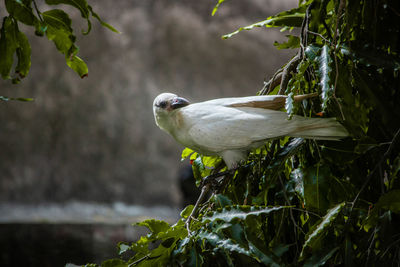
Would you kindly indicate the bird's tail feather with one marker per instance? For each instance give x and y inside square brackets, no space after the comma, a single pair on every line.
[322,129]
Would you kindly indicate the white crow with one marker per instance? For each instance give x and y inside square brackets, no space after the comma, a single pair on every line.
[231,127]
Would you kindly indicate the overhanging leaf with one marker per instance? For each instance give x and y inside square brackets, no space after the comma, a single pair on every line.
[291,18]
[22,11]
[8,46]
[78,65]
[23,54]
[81,5]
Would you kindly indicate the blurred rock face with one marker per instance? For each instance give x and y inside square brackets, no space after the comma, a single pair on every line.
[95,139]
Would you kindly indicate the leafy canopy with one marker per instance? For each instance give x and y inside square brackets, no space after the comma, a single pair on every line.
[55,24]
[303,202]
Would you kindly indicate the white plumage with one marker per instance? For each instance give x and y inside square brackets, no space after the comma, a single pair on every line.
[230,127]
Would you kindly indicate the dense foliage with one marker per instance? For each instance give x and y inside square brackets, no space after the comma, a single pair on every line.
[305,202]
[55,24]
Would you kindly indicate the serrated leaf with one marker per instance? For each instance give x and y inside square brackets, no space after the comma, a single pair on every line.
[324,71]
[291,18]
[289,104]
[229,214]
[312,51]
[78,65]
[321,228]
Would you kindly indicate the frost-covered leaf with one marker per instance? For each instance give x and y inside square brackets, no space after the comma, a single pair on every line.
[324,71]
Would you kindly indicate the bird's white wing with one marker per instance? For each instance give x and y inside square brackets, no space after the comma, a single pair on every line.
[215,128]
[274,102]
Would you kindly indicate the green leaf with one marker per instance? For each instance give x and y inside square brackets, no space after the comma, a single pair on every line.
[390,201]
[103,23]
[60,32]
[8,46]
[291,18]
[78,65]
[186,153]
[22,11]
[81,5]
[4,98]
[292,42]
[186,212]
[155,226]
[114,263]
[216,7]
[320,229]
[23,54]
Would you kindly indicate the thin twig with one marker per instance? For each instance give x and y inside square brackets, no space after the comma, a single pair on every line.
[37,11]
[318,34]
[290,209]
[341,7]
[377,166]
[204,191]
[272,83]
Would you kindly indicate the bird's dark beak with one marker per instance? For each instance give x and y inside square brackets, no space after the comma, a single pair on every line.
[179,102]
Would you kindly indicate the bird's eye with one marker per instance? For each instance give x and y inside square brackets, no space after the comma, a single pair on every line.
[163,104]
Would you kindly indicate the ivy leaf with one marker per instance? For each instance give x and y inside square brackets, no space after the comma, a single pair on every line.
[292,42]
[155,226]
[320,229]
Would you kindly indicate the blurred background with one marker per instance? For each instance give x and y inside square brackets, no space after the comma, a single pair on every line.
[85,159]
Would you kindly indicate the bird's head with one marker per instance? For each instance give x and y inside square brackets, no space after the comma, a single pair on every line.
[166,103]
